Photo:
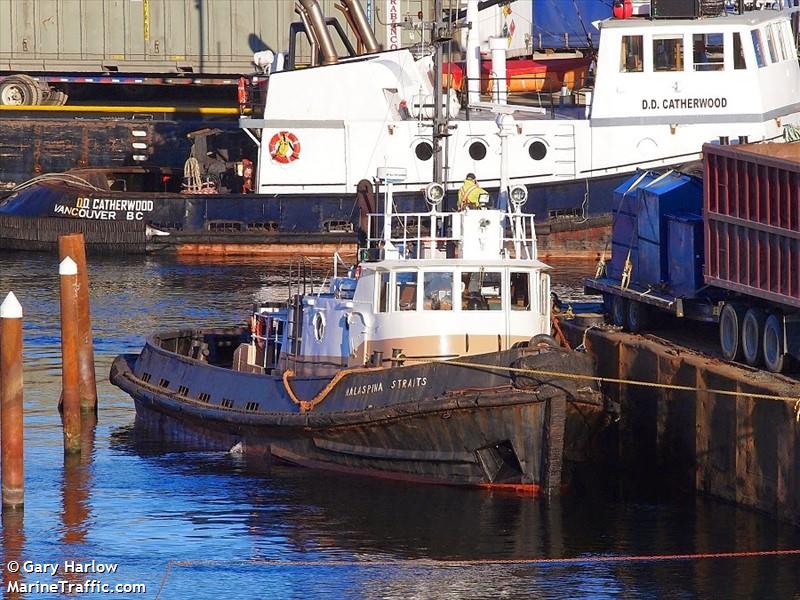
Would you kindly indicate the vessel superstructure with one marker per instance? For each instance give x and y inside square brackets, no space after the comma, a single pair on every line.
[658,90]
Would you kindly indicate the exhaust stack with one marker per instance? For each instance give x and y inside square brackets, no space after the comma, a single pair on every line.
[314,20]
[358,20]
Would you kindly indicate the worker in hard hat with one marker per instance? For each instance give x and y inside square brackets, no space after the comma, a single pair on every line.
[469,195]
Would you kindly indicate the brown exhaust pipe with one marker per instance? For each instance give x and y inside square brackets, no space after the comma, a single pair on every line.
[361,26]
[312,14]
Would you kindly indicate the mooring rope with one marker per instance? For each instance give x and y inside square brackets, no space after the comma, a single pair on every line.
[597,378]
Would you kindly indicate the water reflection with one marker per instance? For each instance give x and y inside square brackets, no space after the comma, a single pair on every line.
[76,484]
[380,535]
[278,531]
[13,536]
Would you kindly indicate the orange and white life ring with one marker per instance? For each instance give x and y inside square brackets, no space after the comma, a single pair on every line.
[284,147]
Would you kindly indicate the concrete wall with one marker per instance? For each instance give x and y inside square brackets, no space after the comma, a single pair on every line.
[736,448]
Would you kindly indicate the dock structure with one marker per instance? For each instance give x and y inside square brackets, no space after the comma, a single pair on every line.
[706,424]
[73,246]
[70,371]
[11,409]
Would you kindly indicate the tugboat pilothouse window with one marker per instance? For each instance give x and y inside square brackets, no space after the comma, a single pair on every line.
[437,289]
[383,293]
[520,291]
[481,290]
[668,52]
[738,52]
[773,52]
[405,292]
[758,47]
[709,52]
[632,57]
[778,35]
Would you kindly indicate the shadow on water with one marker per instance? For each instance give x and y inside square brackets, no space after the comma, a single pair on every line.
[398,529]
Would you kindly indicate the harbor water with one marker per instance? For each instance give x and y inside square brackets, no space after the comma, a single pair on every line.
[191,523]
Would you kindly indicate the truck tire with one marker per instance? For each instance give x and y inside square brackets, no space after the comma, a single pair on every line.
[638,316]
[619,311]
[753,336]
[773,347]
[730,328]
[20,90]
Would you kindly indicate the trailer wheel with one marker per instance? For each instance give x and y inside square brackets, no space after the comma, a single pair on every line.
[752,336]
[619,311]
[20,90]
[773,348]
[638,316]
[730,326]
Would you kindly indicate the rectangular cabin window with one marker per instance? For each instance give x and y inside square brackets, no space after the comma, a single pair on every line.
[773,51]
[544,291]
[668,52]
[520,291]
[758,48]
[405,291]
[437,289]
[777,33]
[383,292]
[632,55]
[709,54]
[738,52]
[481,290]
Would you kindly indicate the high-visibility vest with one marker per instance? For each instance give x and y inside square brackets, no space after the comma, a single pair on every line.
[470,194]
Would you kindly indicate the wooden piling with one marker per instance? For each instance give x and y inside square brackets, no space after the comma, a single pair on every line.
[73,245]
[70,379]
[11,414]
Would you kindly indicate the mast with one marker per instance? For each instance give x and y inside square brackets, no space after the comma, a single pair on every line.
[440,34]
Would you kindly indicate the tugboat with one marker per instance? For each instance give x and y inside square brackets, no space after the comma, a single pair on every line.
[428,361]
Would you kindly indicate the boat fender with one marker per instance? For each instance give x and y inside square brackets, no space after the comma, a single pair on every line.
[357,273]
[259,328]
[247,176]
[284,147]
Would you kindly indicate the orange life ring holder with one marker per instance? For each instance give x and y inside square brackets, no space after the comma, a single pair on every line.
[284,147]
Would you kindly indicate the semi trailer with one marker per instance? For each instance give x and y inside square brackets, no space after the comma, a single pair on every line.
[721,248]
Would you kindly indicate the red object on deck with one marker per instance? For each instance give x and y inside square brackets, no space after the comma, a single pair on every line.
[623,9]
[525,75]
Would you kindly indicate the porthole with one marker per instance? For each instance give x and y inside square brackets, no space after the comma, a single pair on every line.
[477,150]
[424,151]
[318,323]
[537,150]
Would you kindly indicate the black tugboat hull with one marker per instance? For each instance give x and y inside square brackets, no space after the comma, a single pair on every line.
[470,423]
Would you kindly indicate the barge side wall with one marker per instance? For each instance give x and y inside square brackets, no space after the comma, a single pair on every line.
[737,448]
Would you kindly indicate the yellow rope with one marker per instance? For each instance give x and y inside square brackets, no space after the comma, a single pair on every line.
[667,386]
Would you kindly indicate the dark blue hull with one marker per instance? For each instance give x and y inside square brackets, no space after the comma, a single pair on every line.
[137,220]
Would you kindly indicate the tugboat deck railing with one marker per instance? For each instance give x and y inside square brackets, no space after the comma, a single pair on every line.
[436,235]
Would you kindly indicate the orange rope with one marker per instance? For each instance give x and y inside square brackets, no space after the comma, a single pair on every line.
[562,339]
[503,561]
[306,405]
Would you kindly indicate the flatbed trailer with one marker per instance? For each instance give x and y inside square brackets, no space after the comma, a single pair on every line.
[696,309]
[734,259]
